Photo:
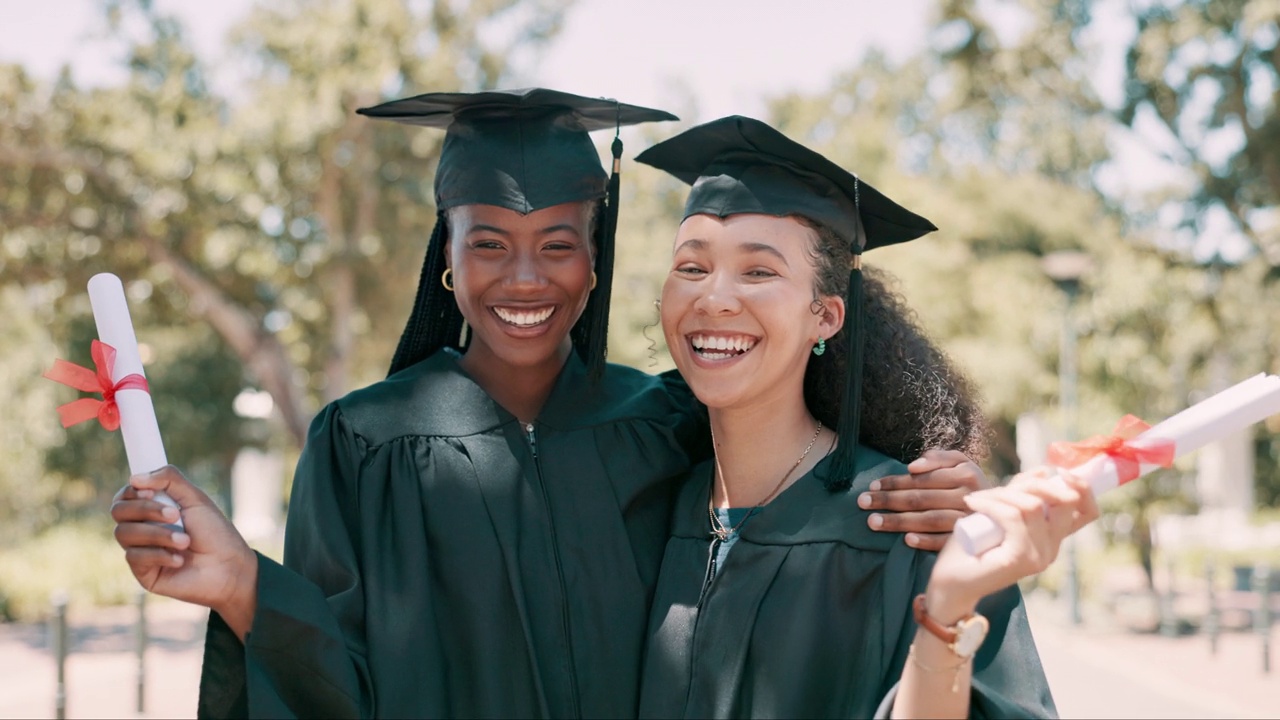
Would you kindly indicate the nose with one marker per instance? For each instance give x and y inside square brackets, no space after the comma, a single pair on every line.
[719,295]
[524,271]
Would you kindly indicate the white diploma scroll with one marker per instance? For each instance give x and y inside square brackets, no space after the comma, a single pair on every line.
[1226,413]
[138,427]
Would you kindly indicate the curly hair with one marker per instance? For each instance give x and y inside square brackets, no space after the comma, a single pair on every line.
[913,398]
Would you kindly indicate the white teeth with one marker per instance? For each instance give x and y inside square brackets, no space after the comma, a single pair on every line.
[718,347]
[524,318]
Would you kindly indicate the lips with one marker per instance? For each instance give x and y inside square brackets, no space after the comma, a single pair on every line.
[524,317]
[721,346]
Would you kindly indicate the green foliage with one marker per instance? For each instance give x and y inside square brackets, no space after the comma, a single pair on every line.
[1204,72]
[80,559]
[29,425]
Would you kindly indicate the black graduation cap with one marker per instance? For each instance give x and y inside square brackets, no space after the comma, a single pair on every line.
[740,165]
[523,150]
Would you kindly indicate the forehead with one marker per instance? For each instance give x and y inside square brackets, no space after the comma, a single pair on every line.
[785,234]
[576,214]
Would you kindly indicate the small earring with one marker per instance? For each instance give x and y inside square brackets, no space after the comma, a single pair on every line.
[446,279]
[821,347]
[593,279]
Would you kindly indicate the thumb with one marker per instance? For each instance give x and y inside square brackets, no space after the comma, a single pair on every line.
[170,480]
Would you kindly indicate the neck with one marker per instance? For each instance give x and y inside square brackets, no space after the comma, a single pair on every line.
[756,447]
[521,389]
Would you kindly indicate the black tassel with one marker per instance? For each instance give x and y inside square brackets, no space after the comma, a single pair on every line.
[592,340]
[844,464]
[435,320]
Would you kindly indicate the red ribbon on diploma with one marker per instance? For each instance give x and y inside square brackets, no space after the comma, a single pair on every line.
[1127,456]
[82,378]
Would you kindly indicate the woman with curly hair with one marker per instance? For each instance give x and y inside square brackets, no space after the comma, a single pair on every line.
[774,598]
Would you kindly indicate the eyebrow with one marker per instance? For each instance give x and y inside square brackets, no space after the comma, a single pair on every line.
[757,247]
[562,227]
[487,228]
[746,248]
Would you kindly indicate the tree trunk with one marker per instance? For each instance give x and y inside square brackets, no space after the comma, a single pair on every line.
[261,352]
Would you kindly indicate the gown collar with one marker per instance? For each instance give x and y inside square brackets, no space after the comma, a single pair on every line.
[454,404]
[804,513]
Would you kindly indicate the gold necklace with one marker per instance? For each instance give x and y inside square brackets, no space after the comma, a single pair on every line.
[718,530]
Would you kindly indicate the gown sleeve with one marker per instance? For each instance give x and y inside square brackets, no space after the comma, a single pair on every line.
[1008,679]
[305,653]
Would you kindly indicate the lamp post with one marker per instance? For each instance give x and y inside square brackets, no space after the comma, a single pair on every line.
[1066,268]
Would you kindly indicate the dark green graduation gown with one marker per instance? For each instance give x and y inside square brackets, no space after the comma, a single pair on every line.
[809,615]
[435,566]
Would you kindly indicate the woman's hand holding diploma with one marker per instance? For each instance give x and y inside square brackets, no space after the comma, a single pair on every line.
[208,564]
[1035,513]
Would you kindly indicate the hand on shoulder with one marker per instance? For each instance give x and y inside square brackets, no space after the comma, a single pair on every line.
[926,503]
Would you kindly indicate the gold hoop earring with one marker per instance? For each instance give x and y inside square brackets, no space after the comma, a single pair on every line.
[446,279]
[593,279]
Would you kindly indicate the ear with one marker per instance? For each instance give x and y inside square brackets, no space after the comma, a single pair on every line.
[831,319]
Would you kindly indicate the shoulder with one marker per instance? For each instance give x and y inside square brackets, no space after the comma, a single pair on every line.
[808,512]
[431,398]
[624,394]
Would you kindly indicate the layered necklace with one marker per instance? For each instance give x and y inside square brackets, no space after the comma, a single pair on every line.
[718,530]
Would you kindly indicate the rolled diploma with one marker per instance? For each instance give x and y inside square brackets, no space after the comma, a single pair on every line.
[138,427]
[1214,418]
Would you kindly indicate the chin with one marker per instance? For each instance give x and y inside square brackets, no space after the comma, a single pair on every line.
[715,395]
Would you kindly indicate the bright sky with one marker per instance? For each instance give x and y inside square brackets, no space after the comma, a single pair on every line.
[728,55]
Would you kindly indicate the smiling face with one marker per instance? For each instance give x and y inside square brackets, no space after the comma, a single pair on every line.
[521,281]
[739,310]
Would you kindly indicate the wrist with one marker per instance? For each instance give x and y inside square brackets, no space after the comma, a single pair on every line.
[962,637]
[240,605]
[948,607]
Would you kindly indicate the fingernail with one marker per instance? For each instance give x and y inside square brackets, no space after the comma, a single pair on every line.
[864,500]
[169,513]
[912,539]
[875,521]
[180,537]
[875,486]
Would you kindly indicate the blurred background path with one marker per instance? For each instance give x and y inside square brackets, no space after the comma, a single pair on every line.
[1100,671]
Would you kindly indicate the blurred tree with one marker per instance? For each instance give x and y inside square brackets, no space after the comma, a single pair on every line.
[1206,75]
[26,504]
[288,228]
[1201,85]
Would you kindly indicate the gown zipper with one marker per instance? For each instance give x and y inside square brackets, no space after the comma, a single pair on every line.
[711,572]
[533,442]
[531,435]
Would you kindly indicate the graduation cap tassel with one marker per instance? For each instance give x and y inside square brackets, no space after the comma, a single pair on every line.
[844,464]
[595,340]
[435,320]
